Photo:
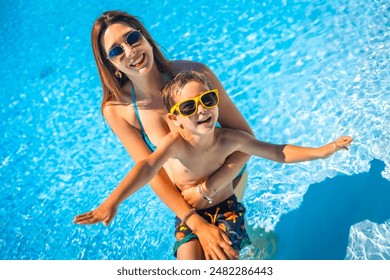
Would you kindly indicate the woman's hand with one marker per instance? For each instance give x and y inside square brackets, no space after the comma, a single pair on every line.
[215,243]
[101,214]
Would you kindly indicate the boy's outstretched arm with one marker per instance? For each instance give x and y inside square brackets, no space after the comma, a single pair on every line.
[143,172]
[288,153]
[297,154]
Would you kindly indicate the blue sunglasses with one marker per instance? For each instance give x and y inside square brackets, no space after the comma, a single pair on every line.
[117,51]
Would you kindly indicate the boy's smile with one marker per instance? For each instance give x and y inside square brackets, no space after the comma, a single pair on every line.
[203,118]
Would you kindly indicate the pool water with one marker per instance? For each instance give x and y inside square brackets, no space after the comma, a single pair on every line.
[300,72]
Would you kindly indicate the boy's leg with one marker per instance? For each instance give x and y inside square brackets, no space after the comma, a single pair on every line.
[192,250]
[187,245]
[230,218]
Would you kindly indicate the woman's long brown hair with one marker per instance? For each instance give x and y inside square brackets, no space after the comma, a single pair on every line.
[112,85]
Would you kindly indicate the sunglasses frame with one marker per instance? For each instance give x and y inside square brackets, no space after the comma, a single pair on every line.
[197,100]
[125,42]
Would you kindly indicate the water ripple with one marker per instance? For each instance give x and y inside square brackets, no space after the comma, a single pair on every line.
[312,72]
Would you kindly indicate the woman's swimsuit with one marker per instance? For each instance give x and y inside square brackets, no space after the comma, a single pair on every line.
[149,143]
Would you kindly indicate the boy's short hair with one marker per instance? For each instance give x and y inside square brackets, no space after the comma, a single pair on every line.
[174,87]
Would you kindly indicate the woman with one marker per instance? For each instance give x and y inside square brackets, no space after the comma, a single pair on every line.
[132,70]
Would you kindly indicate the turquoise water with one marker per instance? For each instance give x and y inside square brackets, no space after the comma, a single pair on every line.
[310,71]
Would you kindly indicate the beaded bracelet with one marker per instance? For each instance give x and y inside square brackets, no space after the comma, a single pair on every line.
[205,196]
[187,216]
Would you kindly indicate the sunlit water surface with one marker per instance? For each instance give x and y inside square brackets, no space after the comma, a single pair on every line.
[300,72]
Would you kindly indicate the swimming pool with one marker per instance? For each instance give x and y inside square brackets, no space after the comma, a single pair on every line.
[310,72]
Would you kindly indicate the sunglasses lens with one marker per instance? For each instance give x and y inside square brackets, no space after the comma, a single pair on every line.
[114,52]
[209,99]
[133,37]
[187,108]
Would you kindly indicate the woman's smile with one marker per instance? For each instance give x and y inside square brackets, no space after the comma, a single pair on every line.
[138,61]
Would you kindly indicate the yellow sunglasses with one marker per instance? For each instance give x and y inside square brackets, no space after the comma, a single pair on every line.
[188,107]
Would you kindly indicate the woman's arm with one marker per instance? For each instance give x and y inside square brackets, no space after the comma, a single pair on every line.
[215,244]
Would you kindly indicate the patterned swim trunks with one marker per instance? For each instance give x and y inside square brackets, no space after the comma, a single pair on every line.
[227,215]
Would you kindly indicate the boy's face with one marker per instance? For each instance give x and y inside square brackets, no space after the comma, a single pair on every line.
[204,119]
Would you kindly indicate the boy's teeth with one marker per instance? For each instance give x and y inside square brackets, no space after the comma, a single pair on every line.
[204,120]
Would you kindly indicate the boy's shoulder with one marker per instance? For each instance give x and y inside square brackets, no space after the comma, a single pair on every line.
[171,137]
[229,135]
[227,132]
[174,145]
[173,140]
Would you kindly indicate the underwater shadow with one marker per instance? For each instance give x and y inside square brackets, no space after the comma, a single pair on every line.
[319,228]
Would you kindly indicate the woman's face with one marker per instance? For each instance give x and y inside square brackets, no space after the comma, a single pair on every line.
[132,59]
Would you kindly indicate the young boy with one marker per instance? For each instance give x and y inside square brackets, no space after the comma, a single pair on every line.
[194,152]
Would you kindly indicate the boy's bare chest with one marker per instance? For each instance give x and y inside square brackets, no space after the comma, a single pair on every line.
[197,166]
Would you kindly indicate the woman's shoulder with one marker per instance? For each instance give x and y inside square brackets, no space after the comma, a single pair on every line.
[187,65]
[124,98]
[114,107]
[113,110]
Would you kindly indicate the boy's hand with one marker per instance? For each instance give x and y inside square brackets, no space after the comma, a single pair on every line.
[341,143]
[100,214]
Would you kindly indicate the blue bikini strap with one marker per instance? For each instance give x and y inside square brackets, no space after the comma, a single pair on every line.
[135,107]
